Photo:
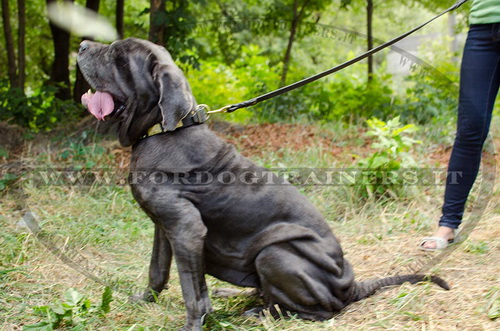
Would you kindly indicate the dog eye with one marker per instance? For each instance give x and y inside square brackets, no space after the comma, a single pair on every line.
[83,47]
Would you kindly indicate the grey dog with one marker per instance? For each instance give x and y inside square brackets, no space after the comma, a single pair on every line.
[251,233]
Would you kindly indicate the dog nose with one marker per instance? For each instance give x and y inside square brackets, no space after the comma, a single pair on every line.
[84,45]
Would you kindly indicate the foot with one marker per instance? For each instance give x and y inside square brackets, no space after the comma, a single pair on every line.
[439,240]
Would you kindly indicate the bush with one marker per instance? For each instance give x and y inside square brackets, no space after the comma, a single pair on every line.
[38,111]
[75,312]
[433,92]
[252,74]
[392,153]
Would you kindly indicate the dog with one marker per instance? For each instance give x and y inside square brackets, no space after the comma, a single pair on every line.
[251,233]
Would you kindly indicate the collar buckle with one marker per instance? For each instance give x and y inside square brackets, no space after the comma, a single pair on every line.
[197,116]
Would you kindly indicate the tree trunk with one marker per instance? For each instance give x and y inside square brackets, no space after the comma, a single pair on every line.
[81,85]
[297,16]
[60,68]
[156,29]
[21,47]
[120,12]
[288,52]
[9,43]
[369,33]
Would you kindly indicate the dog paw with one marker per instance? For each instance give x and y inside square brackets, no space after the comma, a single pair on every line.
[142,297]
[192,327]
[254,312]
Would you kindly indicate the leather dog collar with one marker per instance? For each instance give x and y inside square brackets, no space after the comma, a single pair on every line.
[197,116]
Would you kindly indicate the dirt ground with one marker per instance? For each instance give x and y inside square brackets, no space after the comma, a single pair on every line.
[472,269]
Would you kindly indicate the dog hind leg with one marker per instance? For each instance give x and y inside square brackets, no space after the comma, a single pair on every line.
[295,283]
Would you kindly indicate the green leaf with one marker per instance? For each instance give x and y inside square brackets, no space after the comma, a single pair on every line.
[85,305]
[41,326]
[4,153]
[7,271]
[45,310]
[380,161]
[494,312]
[59,309]
[107,297]
[72,297]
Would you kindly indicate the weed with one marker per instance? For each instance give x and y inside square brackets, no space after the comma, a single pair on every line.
[477,247]
[74,311]
[4,153]
[80,154]
[493,306]
[392,153]
[6,180]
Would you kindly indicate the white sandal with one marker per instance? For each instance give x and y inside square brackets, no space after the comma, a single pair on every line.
[441,243]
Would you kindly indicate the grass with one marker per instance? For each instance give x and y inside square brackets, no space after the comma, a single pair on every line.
[106,234]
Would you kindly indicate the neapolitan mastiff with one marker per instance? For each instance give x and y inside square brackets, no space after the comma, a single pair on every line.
[248,233]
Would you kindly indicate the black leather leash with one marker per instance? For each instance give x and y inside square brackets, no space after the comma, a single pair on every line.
[288,88]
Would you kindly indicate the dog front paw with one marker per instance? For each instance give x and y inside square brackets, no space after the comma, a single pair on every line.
[146,296]
[193,326]
[196,324]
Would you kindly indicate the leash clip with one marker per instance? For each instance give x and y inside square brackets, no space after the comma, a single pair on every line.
[216,111]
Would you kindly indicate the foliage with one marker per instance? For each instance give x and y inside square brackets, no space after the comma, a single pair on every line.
[39,111]
[380,170]
[247,77]
[350,99]
[238,47]
[80,155]
[433,91]
[480,247]
[178,19]
[342,99]
[75,311]
[6,180]
[493,306]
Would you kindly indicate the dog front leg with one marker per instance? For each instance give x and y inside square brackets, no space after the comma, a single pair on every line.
[159,268]
[186,233]
[189,259]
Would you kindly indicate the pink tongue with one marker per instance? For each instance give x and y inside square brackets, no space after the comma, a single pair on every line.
[99,104]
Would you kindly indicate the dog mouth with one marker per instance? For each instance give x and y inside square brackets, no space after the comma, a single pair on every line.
[101,104]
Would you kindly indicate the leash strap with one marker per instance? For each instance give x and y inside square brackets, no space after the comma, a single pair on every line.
[285,89]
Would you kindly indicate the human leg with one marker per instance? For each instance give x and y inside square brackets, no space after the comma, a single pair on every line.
[479,83]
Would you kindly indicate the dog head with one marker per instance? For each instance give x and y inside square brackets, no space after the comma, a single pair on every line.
[137,83]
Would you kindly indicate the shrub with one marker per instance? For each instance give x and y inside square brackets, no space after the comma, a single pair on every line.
[392,154]
[252,74]
[433,95]
[38,111]
[75,311]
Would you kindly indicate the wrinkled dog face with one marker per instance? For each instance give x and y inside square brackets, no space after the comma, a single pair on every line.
[134,78]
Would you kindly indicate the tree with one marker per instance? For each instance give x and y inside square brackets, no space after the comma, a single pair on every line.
[171,24]
[369,37]
[369,7]
[59,74]
[9,43]
[157,13]
[21,33]
[300,11]
[16,67]
[296,18]
[120,13]
[81,86]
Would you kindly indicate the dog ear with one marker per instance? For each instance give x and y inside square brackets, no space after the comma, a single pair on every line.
[176,99]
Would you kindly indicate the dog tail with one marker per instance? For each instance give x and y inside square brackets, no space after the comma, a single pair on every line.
[368,287]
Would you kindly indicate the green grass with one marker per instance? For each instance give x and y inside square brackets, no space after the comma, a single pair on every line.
[106,234]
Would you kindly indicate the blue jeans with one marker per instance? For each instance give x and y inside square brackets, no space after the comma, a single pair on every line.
[479,82]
